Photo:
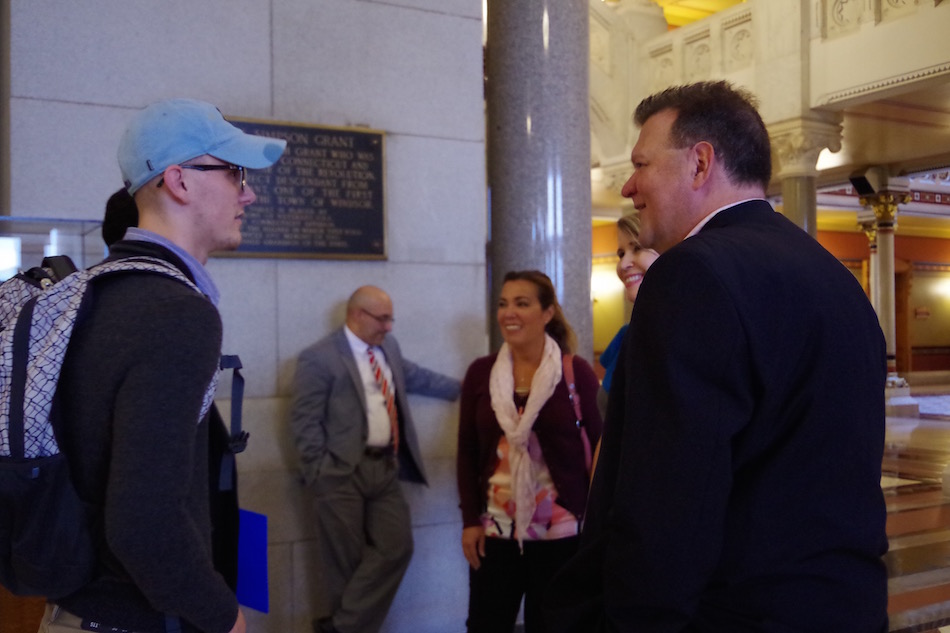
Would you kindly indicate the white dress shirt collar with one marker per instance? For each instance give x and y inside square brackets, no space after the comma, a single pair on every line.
[705,220]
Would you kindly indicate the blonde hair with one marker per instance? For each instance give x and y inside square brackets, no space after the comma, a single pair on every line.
[630,224]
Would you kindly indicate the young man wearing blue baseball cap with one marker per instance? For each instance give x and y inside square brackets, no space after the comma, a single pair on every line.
[139,376]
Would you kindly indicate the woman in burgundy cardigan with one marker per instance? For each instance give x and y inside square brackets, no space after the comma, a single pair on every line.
[522,461]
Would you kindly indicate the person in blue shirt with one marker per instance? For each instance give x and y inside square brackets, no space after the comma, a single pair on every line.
[633,262]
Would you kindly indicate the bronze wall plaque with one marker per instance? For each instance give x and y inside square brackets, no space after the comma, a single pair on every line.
[322,199]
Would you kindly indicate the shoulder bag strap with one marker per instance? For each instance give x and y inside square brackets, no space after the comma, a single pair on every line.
[568,360]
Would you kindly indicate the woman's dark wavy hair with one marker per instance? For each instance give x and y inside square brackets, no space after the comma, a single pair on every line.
[557,328]
[724,116]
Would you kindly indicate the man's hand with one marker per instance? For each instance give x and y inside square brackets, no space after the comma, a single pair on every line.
[240,626]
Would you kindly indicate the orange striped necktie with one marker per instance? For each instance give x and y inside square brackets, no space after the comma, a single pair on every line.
[387,394]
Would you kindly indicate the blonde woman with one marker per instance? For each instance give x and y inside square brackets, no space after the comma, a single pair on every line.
[633,262]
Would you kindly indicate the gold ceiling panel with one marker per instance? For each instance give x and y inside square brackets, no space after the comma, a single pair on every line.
[682,12]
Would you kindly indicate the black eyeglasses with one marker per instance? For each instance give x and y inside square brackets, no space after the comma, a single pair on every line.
[229,167]
[382,320]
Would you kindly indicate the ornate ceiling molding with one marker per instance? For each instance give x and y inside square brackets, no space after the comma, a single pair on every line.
[884,85]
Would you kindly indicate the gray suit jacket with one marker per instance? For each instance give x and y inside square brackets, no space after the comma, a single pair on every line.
[328,411]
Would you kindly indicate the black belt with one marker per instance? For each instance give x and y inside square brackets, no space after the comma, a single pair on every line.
[379,452]
[70,620]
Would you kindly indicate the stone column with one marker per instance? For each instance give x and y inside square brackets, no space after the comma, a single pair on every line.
[5,71]
[538,141]
[884,205]
[796,144]
[869,227]
[800,202]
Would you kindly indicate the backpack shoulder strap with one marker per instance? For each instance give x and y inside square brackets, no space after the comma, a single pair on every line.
[141,264]
[238,436]
[59,266]
[160,266]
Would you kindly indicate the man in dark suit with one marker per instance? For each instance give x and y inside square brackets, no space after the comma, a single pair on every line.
[355,436]
[738,487]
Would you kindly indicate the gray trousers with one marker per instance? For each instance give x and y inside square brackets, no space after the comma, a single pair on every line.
[365,543]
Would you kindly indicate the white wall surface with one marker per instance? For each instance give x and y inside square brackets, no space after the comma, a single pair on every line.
[410,68]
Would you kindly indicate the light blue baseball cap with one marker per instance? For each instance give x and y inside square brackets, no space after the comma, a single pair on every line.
[175,130]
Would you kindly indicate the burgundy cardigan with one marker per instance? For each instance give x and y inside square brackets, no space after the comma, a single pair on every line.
[555,427]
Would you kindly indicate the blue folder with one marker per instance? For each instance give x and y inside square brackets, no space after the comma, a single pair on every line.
[252,562]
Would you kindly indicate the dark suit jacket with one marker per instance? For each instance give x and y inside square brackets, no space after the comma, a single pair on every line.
[738,487]
[328,411]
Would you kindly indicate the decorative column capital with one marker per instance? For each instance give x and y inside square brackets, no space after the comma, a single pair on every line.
[885,207]
[796,143]
[869,227]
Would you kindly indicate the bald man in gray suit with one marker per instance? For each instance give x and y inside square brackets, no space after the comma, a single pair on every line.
[352,458]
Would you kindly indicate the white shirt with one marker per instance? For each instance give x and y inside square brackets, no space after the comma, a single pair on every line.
[377,418]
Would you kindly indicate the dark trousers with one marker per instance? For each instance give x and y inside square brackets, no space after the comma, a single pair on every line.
[506,575]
